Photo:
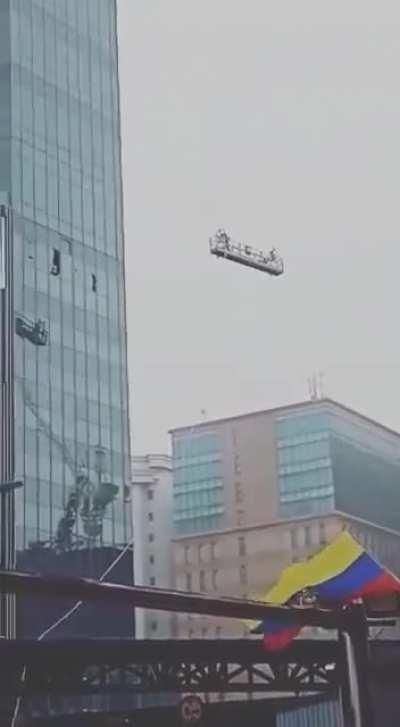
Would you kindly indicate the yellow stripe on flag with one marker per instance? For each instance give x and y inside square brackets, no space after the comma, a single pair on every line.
[328,563]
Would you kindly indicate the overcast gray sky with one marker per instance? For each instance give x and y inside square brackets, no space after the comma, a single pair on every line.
[279,120]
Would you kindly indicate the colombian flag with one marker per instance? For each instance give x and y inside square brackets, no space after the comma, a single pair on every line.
[341,573]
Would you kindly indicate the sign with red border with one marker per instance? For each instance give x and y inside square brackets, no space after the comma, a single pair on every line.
[191,709]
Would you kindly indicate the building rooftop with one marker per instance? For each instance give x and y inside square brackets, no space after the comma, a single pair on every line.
[144,468]
[288,408]
[286,522]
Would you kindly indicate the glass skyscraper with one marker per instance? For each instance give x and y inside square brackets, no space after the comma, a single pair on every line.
[64,400]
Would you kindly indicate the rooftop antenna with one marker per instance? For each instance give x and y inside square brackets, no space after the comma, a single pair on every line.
[316,386]
[312,388]
[321,384]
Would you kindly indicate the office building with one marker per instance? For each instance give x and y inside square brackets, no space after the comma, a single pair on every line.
[300,460]
[153,532]
[63,327]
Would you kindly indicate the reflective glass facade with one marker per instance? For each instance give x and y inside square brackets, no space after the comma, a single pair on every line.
[198,484]
[332,459]
[304,464]
[61,177]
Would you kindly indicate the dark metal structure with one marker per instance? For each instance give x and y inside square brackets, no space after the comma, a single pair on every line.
[79,667]
[203,674]
[165,600]
[60,674]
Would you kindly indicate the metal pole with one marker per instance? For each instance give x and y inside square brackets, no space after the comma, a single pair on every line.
[348,716]
[358,660]
[7,458]
[8,553]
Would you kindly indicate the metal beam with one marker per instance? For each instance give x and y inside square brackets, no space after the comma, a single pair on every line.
[163,600]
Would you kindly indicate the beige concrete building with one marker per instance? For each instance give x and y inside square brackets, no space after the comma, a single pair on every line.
[152,528]
[256,492]
[247,561]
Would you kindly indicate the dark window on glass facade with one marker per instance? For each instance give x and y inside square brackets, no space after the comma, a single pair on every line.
[55,262]
[242,546]
[152,581]
[151,559]
[150,494]
[150,517]
[154,625]
[151,537]
[94,283]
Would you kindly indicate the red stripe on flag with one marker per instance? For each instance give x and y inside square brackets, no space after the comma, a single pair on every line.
[281,639]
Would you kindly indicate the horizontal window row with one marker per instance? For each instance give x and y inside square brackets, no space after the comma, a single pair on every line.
[311,478]
[197,473]
[195,445]
[311,494]
[304,452]
[194,514]
[198,524]
[203,485]
[317,506]
[198,460]
[198,499]
[302,439]
[317,464]
[301,424]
